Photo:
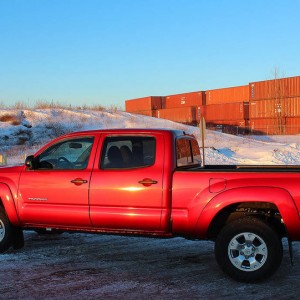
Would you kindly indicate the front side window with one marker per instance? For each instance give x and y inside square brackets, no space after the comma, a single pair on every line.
[66,155]
[128,152]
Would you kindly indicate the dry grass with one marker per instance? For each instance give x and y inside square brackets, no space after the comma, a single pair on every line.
[14,120]
[17,106]
[43,104]
[6,118]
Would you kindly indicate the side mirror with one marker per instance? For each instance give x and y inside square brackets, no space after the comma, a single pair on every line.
[29,162]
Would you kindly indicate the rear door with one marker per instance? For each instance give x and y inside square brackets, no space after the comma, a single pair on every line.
[126,188]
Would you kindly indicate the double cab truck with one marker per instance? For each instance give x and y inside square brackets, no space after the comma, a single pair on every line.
[151,182]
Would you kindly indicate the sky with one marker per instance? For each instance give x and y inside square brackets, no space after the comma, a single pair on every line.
[102,52]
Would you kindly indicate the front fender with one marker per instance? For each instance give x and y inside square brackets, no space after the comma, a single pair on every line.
[9,204]
[277,196]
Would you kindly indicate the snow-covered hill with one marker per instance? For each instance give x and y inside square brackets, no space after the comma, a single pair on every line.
[22,132]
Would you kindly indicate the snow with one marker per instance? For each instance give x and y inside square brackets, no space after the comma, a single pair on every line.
[39,126]
[93,266]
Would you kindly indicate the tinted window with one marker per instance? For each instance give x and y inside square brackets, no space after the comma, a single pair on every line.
[196,152]
[65,155]
[188,152]
[184,154]
[128,152]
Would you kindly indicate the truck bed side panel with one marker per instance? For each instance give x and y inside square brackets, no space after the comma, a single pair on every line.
[199,195]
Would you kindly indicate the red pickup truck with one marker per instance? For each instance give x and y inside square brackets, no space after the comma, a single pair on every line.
[151,182]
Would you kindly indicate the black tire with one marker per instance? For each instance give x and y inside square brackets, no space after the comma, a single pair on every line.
[6,232]
[248,250]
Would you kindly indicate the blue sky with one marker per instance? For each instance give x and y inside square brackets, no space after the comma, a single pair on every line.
[102,52]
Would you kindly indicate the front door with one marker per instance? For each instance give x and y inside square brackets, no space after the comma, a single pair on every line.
[126,188]
[55,190]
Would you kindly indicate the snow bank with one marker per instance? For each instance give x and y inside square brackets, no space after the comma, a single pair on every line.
[24,132]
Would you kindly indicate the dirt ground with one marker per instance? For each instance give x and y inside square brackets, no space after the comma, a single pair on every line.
[87,266]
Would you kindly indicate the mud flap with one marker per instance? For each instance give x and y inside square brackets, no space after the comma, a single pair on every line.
[18,238]
[291,251]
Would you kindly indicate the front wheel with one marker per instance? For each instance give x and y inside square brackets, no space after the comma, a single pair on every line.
[6,234]
[248,250]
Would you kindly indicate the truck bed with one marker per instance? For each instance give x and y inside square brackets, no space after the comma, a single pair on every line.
[250,168]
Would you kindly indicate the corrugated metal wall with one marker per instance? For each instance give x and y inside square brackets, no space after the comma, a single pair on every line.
[292,125]
[272,108]
[277,88]
[266,107]
[186,99]
[227,111]
[185,115]
[145,103]
[228,95]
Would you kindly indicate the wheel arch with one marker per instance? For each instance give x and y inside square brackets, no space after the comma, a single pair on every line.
[7,202]
[261,201]
[265,211]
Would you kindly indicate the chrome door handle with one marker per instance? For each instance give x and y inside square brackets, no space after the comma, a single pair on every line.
[79,181]
[147,182]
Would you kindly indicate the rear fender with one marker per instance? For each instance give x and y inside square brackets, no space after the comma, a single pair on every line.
[7,200]
[277,196]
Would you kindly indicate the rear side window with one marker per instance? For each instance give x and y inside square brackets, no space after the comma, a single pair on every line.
[128,152]
[188,152]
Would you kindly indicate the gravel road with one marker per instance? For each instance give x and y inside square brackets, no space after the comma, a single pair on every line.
[88,266]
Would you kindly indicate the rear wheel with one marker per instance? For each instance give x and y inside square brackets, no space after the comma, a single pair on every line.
[6,234]
[248,250]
